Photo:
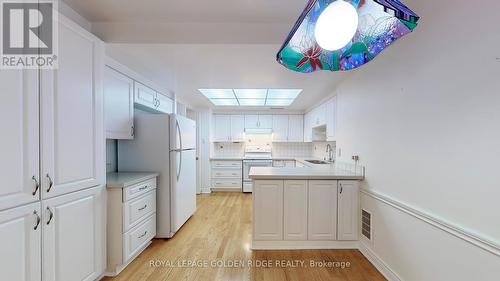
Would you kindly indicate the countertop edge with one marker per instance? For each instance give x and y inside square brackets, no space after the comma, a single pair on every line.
[137,178]
[304,177]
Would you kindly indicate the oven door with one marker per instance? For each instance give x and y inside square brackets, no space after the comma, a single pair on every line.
[247,164]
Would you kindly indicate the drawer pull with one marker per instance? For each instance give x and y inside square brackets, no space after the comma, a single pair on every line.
[37,220]
[144,234]
[142,188]
[145,206]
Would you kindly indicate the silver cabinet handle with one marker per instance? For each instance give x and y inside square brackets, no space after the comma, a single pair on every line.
[145,206]
[142,188]
[51,183]
[51,215]
[144,234]
[37,219]
[132,131]
[37,185]
[341,189]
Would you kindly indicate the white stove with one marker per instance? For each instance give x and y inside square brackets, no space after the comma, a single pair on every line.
[255,156]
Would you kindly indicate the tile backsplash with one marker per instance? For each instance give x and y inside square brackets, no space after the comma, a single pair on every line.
[299,149]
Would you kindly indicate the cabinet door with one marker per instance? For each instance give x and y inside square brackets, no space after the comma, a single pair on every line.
[268,210]
[296,128]
[145,96]
[280,128]
[348,216]
[72,125]
[20,241]
[265,122]
[222,124]
[331,119]
[118,105]
[308,127]
[73,236]
[295,210]
[237,128]
[165,104]
[251,121]
[320,115]
[19,124]
[322,215]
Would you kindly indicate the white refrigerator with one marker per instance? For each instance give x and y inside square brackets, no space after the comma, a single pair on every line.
[165,144]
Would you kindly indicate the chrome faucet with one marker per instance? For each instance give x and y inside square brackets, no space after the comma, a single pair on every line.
[330,152]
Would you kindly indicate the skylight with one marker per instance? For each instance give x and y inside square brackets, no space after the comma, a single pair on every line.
[251,97]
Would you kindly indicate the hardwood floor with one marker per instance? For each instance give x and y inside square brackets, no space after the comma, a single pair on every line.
[220,232]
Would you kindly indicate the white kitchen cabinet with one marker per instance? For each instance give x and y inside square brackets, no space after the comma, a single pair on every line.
[73,236]
[227,175]
[268,210]
[308,117]
[131,221]
[19,124]
[145,96]
[331,119]
[319,116]
[251,121]
[258,121]
[20,241]
[164,104]
[237,128]
[296,128]
[280,128]
[348,210]
[322,210]
[222,128]
[118,105]
[72,126]
[265,121]
[295,210]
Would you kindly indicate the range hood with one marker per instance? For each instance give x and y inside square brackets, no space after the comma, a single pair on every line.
[258,131]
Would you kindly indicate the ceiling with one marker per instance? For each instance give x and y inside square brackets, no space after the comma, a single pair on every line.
[187,45]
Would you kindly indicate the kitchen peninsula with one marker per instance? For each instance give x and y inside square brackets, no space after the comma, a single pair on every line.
[312,207]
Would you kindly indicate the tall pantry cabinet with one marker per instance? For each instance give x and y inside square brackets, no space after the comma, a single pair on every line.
[52,166]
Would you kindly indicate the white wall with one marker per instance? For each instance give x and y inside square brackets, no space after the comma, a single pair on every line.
[424,117]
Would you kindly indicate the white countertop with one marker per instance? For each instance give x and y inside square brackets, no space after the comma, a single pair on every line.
[121,180]
[315,172]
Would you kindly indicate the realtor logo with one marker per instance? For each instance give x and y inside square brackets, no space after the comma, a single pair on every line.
[29,33]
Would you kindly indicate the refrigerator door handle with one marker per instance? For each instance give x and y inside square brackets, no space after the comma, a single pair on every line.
[179,133]
[180,165]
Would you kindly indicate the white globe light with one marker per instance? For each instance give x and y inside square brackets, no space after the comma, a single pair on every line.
[336,26]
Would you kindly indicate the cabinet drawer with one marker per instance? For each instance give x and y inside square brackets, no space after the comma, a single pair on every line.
[139,189]
[227,164]
[138,237]
[136,210]
[226,183]
[219,173]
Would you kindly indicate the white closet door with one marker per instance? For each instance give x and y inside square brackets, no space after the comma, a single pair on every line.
[20,241]
[72,130]
[19,165]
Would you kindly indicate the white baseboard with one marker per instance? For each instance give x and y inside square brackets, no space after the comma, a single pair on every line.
[300,245]
[206,190]
[379,264]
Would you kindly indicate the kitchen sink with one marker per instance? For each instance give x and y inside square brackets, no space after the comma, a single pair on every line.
[320,162]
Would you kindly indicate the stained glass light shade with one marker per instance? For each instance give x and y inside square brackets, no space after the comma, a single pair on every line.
[380,23]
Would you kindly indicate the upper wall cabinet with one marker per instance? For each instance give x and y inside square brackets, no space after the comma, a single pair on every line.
[258,121]
[319,116]
[148,99]
[119,105]
[237,128]
[331,119]
[296,128]
[72,139]
[308,127]
[19,124]
[228,128]
[280,128]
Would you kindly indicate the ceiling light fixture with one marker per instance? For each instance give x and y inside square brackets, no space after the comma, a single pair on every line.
[251,97]
[340,35]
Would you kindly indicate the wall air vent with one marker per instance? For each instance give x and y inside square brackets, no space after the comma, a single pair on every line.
[366,224]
